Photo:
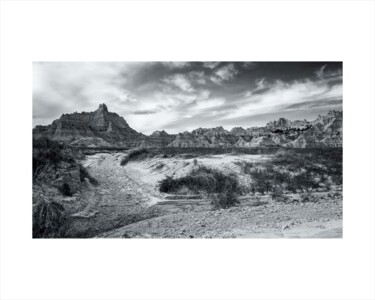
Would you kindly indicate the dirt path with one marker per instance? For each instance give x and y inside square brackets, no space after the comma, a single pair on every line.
[115,201]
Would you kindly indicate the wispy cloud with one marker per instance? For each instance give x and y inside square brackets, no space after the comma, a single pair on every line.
[179,96]
[249,65]
[145,112]
[180,81]
[281,95]
[224,73]
[211,64]
[198,77]
[323,74]
[176,64]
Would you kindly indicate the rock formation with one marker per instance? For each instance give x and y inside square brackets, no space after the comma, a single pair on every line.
[98,128]
[104,128]
[325,131]
[157,139]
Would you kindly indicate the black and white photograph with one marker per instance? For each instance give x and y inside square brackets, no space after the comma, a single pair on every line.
[187,149]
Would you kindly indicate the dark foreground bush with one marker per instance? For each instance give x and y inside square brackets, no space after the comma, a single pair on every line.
[83,173]
[135,154]
[49,153]
[204,179]
[225,200]
[46,152]
[50,220]
[65,190]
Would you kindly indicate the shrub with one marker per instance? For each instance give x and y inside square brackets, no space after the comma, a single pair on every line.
[204,179]
[50,220]
[47,152]
[262,180]
[65,190]
[247,167]
[225,200]
[83,173]
[135,154]
[201,179]
[297,169]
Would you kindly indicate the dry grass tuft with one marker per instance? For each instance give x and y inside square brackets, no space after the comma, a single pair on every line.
[50,220]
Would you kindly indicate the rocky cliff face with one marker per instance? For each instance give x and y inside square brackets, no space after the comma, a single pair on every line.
[104,128]
[98,128]
[325,131]
[157,139]
[205,137]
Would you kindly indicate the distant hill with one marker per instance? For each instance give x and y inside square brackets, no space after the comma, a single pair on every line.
[98,128]
[103,128]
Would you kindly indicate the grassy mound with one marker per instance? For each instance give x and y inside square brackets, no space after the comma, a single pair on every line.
[50,220]
[204,179]
[136,154]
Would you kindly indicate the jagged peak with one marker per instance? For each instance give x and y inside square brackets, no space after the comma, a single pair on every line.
[159,133]
[103,107]
[334,112]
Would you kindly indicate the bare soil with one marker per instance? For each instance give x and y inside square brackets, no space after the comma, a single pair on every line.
[128,204]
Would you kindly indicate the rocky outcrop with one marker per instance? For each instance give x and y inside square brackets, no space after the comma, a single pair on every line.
[325,131]
[157,139]
[98,128]
[205,137]
[238,131]
[104,128]
[281,123]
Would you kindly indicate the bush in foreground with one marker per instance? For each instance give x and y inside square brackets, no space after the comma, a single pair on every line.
[46,151]
[83,173]
[50,220]
[135,154]
[204,179]
[65,190]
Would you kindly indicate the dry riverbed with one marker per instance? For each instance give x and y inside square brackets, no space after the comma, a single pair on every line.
[127,204]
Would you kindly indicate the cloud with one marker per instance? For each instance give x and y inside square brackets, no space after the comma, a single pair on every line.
[211,64]
[249,65]
[327,103]
[323,74]
[176,64]
[198,77]
[180,81]
[68,86]
[261,83]
[224,73]
[320,72]
[208,104]
[280,95]
[181,96]
[145,112]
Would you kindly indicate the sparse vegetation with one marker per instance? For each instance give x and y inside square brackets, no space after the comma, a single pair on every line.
[46,152]
[50,220]
[65,190]
[225,199]
[136,154]
[294,171]
[83,173]
[208,180]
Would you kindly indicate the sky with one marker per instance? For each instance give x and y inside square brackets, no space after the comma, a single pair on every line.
[180,96]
